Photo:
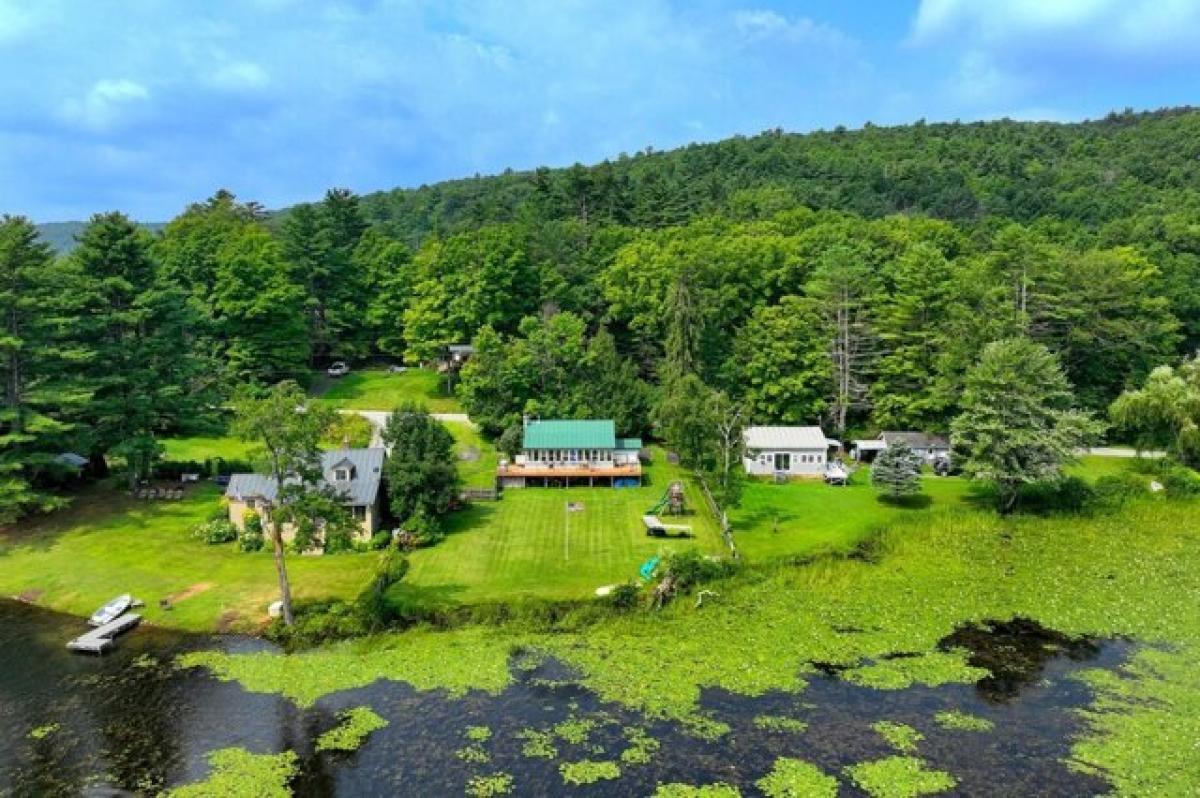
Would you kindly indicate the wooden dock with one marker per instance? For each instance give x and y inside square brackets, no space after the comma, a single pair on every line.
[99,640]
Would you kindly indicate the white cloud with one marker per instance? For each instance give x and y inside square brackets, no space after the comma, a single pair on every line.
[765,23]
[101,108]
[240,75]
[1115,27]
[16,20]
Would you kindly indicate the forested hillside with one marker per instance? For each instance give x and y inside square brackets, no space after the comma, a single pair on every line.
[846,278]
[1089,173]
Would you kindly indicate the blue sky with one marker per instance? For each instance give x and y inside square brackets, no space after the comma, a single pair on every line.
[145,106]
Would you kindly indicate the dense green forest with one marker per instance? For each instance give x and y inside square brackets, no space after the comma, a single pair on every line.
[850,278]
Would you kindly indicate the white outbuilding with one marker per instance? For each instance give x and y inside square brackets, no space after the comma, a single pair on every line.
[787,451]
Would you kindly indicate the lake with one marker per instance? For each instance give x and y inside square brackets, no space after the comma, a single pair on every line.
[131,723]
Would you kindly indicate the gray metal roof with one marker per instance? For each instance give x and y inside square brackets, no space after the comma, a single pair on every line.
[785,438]
[916,440]
[359,491]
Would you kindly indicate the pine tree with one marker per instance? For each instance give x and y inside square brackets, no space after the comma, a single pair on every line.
[896,471]
[143,369]
[37,392]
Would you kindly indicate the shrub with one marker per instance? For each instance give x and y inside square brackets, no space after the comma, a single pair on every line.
[1065,495]
[319,622]
[381,540]
[339,538]
[1182,482]
[1116,490]
[219,465]
[216,532]
[175,469]
[424,530]
[624,597]
[251,538]
[691,568]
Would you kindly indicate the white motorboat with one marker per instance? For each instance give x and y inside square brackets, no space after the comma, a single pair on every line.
[111,611]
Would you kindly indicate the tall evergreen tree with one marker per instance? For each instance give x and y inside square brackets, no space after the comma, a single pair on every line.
[38,393]
[143,369]
[260,310]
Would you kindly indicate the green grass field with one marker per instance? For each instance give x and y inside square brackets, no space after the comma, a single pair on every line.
[808,517]
[477,458]
[106,544]
[382,390]
[528,545]
[201,447]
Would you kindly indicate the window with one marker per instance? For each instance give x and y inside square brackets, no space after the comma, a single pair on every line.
[783,461]
[341,475]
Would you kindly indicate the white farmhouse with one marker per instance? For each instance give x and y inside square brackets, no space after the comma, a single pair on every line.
[799,452]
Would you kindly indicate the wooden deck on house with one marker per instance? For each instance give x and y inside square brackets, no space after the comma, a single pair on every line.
[574,472]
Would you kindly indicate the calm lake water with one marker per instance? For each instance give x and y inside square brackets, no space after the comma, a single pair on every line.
[129,724]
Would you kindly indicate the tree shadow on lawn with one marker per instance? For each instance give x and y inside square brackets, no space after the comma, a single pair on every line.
[99,508]
[470,517]
[919,501]
[412,603]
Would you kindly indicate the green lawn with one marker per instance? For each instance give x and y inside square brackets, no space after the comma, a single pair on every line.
[807,517]
[382,390]
[527,545]
[201,447]
[106,544]
[477,458]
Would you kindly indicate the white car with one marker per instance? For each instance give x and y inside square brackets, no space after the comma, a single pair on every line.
[338,369]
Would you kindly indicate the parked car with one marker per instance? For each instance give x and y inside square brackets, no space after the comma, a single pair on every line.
[338,369]
[397,369]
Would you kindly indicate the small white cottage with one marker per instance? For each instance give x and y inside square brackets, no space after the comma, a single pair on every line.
[799,452]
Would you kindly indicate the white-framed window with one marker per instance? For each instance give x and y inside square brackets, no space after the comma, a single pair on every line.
[341,474]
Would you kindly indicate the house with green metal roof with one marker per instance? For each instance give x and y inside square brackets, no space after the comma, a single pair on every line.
[562,452]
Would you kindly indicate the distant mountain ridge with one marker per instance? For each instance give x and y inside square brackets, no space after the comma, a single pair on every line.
[61,235]
[1089,173]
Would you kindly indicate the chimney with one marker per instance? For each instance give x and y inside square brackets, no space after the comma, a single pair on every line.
[346,442]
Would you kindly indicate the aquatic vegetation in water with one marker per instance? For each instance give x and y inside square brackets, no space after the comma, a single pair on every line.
[899,777]
[538,744]
[474,754]
[479,734]
[237,773]
[349,735]
[719,790]
[575,731]
[795,778]
[962,721]
[901,736]
[1080,575]
[588,771]
[704,727]
[1145,724]
[42,732]
[474,658]
[931,669]
[487,786]
[642,747]
[780,723]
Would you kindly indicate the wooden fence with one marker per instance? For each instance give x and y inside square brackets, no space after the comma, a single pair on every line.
[719,514]
[479,494]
